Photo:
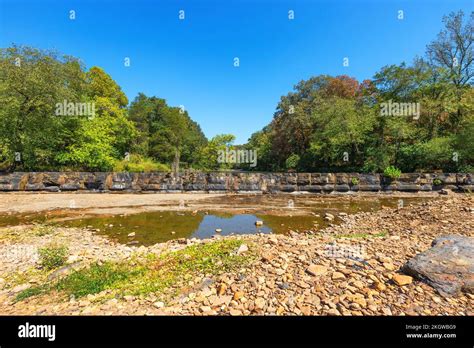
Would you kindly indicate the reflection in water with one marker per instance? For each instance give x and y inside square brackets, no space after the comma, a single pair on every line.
[155,227]
[230,215]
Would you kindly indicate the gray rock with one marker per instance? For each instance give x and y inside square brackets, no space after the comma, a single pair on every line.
[448,266]
[369,187]
[65,270]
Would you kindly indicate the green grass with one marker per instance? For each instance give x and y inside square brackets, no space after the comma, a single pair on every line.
[52,256]
[150,274]
[42,230]
[96,278]
[33,291]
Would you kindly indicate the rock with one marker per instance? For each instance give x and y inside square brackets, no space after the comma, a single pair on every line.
[380,286]
[337,276]
[72,259]
[235,312]
[316,270]
[221,289]
[242,249]
[333,311]
[258,223]
[267,257]
[205,309]
[238,295]
[218,230]
[448,266]
[389,266]
[329,217]
[20,288]
[279,271]
[131,234]
[159,304]
[402,280]
[259,303]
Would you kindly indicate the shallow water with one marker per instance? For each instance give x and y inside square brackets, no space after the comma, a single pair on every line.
[232,214]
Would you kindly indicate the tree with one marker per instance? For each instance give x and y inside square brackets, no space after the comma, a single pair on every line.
[209,154]
[32,82]
[453,51]
[166,134]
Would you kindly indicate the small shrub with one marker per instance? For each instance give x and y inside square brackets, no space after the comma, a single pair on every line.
[139,164]
[52,256]
[392,172]
[437,182]
[355,181]
[43,230]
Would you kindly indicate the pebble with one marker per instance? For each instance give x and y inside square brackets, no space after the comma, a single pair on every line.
[401,279]
[338,276]
[316,270]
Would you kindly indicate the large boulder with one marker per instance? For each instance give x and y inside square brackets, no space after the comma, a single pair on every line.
[448,266]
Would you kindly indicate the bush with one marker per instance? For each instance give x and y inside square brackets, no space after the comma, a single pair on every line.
[355,181]
[53,256]
[392,172]
[292,161]
[437,182]
[139,164]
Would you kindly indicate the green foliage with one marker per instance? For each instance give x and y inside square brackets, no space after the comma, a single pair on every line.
[151,273]
[336,123]
[52,256]
[437,182]
[96,278]
[209,154]
[34,82]
[30,292]
[139,164]
[292,161]
[392,172]
[165,134]
[354,181]
[325,124]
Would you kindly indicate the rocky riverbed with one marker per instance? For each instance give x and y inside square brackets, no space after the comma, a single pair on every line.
[353,268]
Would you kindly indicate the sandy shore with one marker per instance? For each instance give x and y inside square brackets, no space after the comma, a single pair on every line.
[23,202]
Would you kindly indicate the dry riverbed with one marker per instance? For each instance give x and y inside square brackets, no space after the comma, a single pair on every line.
[349,269]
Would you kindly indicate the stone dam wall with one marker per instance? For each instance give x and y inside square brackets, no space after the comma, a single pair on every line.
[232,182]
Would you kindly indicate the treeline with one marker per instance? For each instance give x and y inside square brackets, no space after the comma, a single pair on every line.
[416,117]
[56,115]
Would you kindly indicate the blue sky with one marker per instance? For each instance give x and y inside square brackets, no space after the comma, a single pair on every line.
[190,62]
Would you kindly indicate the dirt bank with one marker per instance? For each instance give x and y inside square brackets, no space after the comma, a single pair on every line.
[21,202]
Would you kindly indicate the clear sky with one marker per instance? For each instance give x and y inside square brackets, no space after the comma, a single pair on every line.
[190,62]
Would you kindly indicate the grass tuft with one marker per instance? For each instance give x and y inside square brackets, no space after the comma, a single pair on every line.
[151,273]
